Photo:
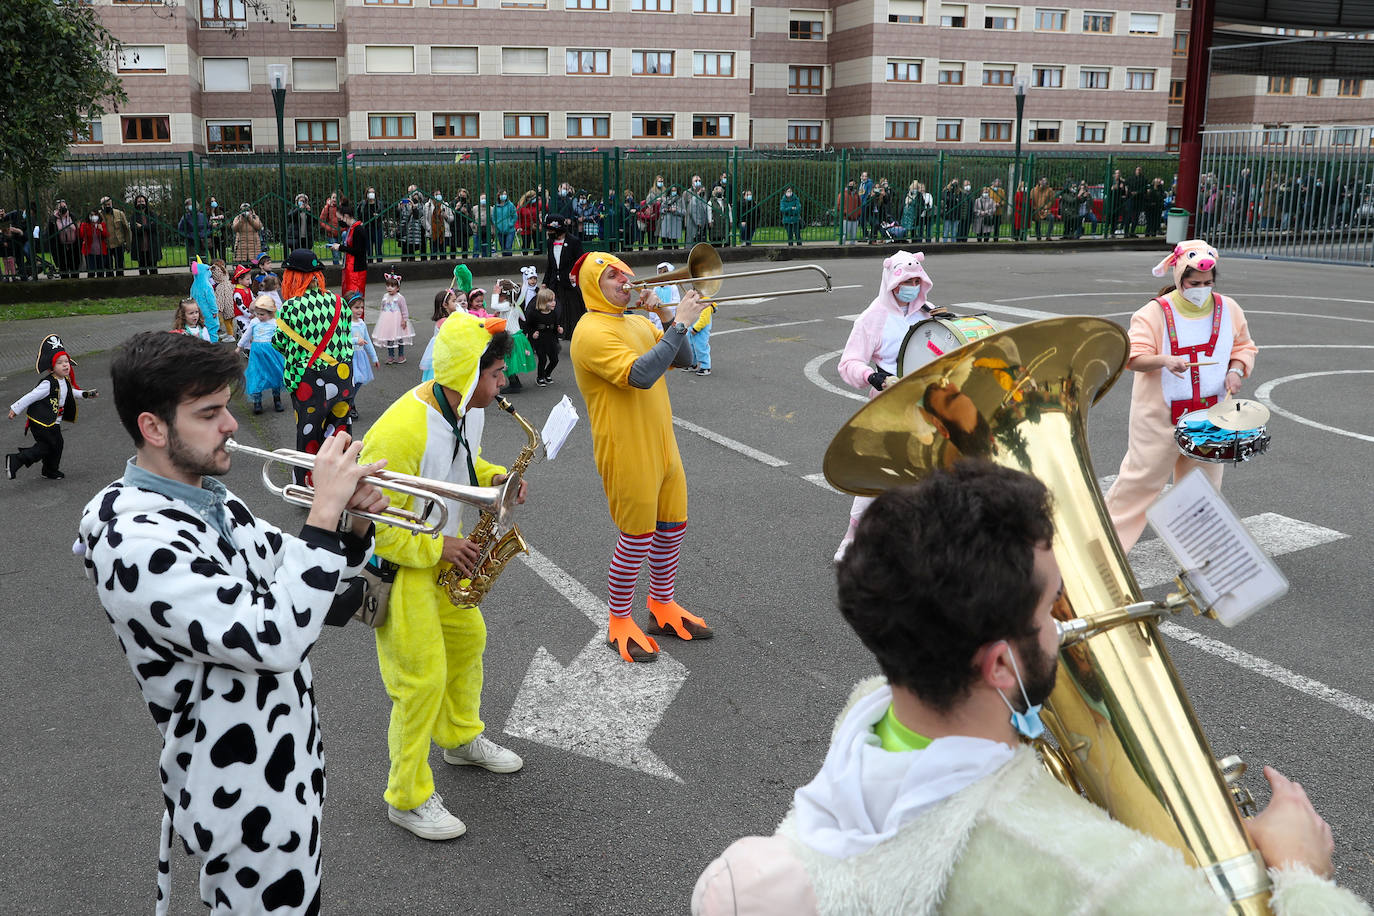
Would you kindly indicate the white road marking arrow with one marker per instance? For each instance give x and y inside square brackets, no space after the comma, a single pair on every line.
[598,706]
[1276,534]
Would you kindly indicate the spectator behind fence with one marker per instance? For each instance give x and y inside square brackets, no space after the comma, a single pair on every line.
[748,216]
[438,224]
[95,245]
[65,240]
[410,225]
[1041,200]
[370,215]
[247,234]
[527,222]
[194,229]
[300,225]
[790,209]
[503,219]
[850,210]
[219,227]
[670,222]
[329,224]
[147,246]
[117,224]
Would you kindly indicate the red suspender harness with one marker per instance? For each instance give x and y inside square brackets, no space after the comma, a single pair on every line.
[1198,402]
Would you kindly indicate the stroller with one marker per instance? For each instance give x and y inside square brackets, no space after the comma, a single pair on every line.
[891,231]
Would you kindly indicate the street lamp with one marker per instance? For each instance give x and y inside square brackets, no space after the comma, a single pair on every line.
[1019,220]
[276,78]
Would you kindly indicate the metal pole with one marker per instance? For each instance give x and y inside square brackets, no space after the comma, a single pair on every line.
[279,102]
[1019,234]
[1194,108]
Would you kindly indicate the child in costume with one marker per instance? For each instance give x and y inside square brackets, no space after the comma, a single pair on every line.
[620,360]
[1188,322]
[446,302]
[393,329]
[542,328]
[521,357]
[700,338]
[271,286]
[51,401]
[188,321]
[203,292]
[429,650]
[364,354]
[477,303]
[668,294]
[243,299]
[869,361]
[265,365]
[224,299]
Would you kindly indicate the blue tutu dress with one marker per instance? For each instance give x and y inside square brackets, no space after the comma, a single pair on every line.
[266,365]
[364,354]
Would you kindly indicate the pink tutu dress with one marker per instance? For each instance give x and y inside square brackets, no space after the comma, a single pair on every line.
[388,331]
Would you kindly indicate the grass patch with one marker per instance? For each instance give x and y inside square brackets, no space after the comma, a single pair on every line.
[21,311]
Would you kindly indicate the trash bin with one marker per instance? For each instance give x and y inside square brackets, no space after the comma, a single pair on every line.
[1177,228]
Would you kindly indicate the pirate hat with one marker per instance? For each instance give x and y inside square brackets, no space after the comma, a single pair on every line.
[48,352]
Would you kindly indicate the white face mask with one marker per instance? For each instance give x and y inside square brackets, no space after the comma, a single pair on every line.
[372,197]
[1197,295]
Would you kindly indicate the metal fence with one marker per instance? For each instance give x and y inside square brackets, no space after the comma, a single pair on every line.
[1302,193]
[620,198]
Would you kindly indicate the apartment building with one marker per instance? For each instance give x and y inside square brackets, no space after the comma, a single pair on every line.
[401,74]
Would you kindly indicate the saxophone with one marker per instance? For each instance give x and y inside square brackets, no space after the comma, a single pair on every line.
[497,548]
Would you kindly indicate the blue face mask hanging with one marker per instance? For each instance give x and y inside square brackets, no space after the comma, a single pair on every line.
[1027,724]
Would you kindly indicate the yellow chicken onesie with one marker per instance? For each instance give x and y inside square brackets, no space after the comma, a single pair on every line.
[636,454]
[430,652]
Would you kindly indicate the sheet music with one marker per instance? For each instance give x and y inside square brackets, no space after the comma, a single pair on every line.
[557,427]
[1226,567]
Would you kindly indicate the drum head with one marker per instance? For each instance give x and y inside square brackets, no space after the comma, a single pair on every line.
[928,340]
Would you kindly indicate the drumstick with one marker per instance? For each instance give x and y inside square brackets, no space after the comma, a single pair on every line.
[1210,362]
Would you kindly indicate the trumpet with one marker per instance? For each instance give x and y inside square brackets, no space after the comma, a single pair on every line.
[429,495]
[705,274]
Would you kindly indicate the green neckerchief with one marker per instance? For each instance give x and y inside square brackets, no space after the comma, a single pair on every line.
[894,736]
[459,435]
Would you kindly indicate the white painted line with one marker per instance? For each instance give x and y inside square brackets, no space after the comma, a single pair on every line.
[1263,395]
[974,307]
[1145,293]
[813,374]
[762,327]
[733,445]
[1265,668]
[1277,535]
[849,317]
[820,481]
[577,594]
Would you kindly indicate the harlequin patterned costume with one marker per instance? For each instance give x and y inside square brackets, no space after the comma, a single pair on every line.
[637,456]
[322,389]
[428,650]
[216,623]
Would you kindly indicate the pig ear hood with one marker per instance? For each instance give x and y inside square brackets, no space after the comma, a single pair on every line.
[897,269]
[1194,253]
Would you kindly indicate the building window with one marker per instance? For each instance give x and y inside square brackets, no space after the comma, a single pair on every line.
[949,131]
[143,59]
[806,26]
[467,3]
[1180,44]
[1044,132]
[1144,23]
[953,16]
[1314,87]
[88,133]
[587,4]
[224,74]
[1002,18]
[951,73]
[1280,85]
[1276,134]
[994,131]
[525,126]
[221,13]
[525,62]
[902,129]
[1092,132]
[651,127]
[999,76]
[146,129]
[1101,23]
[651,63]
[713,6]
[391,127]
[1051,20]
[910,12]
[452,60]
[1140,79]
[1091,78]
[805,80]
[456,127]
[313,14]
[1047,77]
[1176,92]
[314,74]
[582,62]
[388,59]
[1175,139]
[1308,136]
[903,71]
[386,2]
[1135,133]
[524,4]
[651,6]
[1183,4]
[228,137]
[803,134]
[1350,89]
[317,135]
[589,127]
[1343,136]
[712,127]
[713,63]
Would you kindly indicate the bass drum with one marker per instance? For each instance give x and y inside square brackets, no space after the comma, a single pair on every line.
[928,340]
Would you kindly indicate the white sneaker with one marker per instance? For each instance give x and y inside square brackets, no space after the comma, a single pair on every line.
[485,753]
[430,821]
[844,548]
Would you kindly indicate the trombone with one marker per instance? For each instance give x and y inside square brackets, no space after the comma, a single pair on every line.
[705,274]
[430,495]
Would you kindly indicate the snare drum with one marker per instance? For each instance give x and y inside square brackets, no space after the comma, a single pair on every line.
[1198,438]
[930,339]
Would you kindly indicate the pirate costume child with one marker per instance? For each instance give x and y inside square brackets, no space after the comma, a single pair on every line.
[44,408]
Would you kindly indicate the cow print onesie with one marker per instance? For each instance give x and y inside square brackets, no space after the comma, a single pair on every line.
[217,635]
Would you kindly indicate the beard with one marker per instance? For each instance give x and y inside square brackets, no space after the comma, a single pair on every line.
[1038,669]
[193,462]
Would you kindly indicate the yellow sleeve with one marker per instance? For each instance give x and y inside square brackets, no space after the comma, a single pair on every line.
[485,469]
[706,315]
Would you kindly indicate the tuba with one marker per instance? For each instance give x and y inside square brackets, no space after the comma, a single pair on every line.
[498,545]
[1125,734]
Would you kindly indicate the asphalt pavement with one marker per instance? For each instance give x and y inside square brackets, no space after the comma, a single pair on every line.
[602,824]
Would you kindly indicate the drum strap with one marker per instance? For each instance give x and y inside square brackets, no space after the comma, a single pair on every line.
[1198,402]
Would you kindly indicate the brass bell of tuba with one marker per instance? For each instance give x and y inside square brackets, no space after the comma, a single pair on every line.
[1125,733]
